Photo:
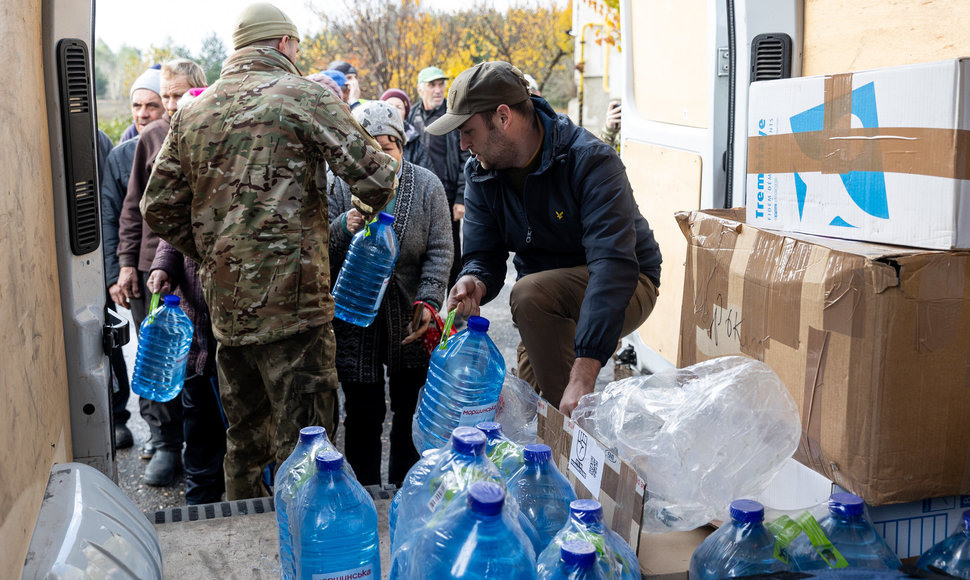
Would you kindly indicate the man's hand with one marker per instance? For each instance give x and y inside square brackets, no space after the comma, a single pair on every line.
[355,221]
[128,283]
[466,295]
[613,115]
[582,381]
[419,323]
[353,94]
[158,282]
[117,296]
[457,212]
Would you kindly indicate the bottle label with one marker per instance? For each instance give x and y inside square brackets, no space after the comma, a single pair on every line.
[352,574]
[447,484]
[587,460]
[471,416]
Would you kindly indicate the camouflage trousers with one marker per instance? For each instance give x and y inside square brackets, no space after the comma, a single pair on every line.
[269,392]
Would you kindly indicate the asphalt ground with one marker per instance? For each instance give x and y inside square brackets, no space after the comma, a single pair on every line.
[150,499]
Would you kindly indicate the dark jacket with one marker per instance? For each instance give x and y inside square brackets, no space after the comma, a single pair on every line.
[114,185]
[414,150]
[578,208]
[453,178]
[136,241]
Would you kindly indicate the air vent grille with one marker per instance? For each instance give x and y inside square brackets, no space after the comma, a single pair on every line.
[770,57]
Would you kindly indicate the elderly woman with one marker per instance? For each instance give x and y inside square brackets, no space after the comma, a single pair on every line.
[423,228]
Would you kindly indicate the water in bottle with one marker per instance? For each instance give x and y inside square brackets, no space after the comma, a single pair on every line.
[852,536]
[463,387]
[615,557]
[337,524]
[502,451]
[163,352]
[473,540]
[542,492]
[577,561]
[366,272]
[295,471]
[952,555]
[741,547]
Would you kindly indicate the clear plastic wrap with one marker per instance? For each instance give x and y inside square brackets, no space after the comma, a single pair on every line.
[699,436]
[517,410]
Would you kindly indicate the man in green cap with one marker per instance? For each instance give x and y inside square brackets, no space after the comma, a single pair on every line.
[235,187]
[447,158]
[587,262]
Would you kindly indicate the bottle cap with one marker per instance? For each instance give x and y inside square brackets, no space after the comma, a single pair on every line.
[846,504]
[310,434]
[172,300]
[747,511]
[587,511]
[578,553]
[478,324]
[966,520]
[490,428]
[329,461]
[468,441]
[486,498]
[537,453]
[385,218]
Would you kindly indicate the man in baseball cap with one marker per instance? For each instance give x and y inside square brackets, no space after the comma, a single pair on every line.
[587,262]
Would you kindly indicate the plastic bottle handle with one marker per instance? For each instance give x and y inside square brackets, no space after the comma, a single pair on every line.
[367,226]
[152,307]
[820,541]
[447,330]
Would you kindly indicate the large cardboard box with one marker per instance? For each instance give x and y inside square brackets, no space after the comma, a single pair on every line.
[871,341]
[879,155]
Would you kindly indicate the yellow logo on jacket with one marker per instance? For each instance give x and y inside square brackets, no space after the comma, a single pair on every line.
[560,214]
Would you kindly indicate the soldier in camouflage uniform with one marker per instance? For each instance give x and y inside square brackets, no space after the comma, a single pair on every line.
[235,188]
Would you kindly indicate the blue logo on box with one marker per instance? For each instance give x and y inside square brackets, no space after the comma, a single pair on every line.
[866,188]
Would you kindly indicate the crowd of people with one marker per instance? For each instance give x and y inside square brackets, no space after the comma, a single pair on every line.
[243,197]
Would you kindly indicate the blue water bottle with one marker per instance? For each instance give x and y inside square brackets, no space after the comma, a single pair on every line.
[337,524]
[615,557]
[163,352]
[741,547]
[952,555]
[502,451]
[463,387]
[543,493]
[577,561]
[366,272]
[295,471]
[852,535]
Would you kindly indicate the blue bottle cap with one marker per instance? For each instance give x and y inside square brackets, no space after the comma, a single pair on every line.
[385,218]
[310,434]
[478,324]
[468,441]
[966,520]
[486,498]
[171,300]
[846,504]
[747,511]
[578,553]
[587,511]
[489,428]
[329,461]
[537,453]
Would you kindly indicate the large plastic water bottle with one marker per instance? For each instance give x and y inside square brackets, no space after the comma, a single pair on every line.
[337,524]
[543,493]
[848,530]
[952,555]
[615,557]
[463,386]
[504,453]
[741,547]
[366,271]
[477,541]
[577,561]
[295,471]
[163,352]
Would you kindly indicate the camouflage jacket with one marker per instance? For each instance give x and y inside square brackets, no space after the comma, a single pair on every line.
[235,188]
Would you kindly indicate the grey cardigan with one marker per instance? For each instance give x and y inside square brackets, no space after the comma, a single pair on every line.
[423,227]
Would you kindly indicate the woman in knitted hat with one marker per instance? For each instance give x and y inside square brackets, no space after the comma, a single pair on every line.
[423,227]
[414,149]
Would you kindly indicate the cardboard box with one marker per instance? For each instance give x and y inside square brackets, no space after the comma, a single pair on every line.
[871,341]
[879,155]
[914,527]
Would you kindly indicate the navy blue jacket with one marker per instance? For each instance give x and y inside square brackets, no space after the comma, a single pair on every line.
[577,208]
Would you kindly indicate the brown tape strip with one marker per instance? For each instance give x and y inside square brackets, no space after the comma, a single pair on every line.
[837,115]
[810,449]
[844,309]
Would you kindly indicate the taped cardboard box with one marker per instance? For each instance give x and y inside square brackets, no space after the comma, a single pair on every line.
[597,473]
[871,342]
[879,155]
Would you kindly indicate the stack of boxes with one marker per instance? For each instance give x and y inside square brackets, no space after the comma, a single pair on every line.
[869,326]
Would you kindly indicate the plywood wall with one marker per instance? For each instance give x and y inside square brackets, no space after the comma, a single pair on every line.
[34,419]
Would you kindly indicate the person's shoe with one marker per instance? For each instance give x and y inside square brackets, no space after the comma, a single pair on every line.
[163,468]
[147,450]
[123,438]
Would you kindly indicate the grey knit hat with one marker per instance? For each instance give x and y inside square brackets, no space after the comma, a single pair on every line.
[380,118]
[150,80]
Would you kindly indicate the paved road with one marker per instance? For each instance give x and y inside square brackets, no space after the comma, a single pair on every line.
[149,499]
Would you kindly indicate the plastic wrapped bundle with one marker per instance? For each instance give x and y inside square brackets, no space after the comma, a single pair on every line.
[517,410]
[699,436]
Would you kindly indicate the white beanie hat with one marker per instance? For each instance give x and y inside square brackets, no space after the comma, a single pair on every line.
[151,79]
